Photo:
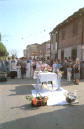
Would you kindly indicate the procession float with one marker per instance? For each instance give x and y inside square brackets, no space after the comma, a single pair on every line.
[48,90]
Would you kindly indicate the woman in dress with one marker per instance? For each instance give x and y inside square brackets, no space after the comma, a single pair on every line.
[38,66]
[28,69]
[18,70]
[77,71]
[69,72]
[54,66]
[13,63]
[42,66]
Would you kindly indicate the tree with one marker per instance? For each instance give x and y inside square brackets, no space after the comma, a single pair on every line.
[3,50]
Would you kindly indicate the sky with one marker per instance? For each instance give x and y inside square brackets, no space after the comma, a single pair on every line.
[25,22]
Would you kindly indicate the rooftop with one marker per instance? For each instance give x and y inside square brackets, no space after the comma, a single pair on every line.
[75,15]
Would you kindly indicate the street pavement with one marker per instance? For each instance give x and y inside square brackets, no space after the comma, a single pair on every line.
[17,113]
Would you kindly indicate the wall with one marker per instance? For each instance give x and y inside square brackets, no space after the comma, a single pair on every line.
[59,54]
[67,52]
[69,38]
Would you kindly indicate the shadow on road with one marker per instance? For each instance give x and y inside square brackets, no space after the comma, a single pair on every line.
[17,81]
[70,117]
[22,90]
[26,107]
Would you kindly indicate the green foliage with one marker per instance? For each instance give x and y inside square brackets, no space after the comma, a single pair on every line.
[3,50]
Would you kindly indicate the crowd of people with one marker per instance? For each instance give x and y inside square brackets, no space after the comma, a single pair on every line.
[71,69]
[22,68]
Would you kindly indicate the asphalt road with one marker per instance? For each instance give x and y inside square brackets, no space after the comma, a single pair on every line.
[17,113]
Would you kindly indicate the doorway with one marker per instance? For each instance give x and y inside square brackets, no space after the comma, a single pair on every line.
[62,55]
[74,54]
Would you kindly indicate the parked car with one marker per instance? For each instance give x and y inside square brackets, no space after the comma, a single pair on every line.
[3,71]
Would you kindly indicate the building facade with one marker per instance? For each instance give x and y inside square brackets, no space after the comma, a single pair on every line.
[46,49]
[39,51]
[31,51]
[24,51]
[70,33]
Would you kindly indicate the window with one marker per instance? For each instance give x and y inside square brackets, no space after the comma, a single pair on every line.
[74,53]
[75,28]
